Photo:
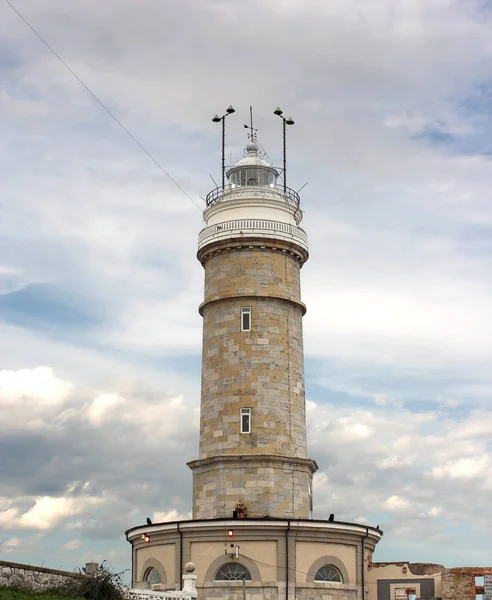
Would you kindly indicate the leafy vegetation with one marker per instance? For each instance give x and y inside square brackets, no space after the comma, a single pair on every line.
[101,585]
[14,594]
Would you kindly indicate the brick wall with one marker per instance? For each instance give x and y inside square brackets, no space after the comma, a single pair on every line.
[459,583]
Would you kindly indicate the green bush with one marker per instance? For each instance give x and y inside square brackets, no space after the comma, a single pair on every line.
[23,594]
[101,585]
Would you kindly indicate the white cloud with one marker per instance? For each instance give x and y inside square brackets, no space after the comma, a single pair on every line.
[33,399]
[104,407]
[73,545]
[5,503]
[414,465]
[393,461]
[99,428]
[396,503]
[152,421]
[170,515]
[351,430]
[466,468]
[74,525]
[47,512]
[8,517]
[443,122]
[423,320]
[39,384]
[36,399]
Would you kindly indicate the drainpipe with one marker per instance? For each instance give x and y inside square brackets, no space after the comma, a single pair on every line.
[287,560]
[363,578]
[133,565]
[180,556]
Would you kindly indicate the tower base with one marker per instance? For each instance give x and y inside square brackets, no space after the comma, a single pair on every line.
[268,486]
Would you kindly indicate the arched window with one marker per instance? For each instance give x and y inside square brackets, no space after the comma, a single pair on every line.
[151,577]
[328,573]
[232,572]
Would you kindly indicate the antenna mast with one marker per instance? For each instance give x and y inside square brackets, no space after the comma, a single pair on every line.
[252,131]
[289,121]
[222,119]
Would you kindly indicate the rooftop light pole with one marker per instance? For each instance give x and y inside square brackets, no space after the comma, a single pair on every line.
[218,119]
[285,122]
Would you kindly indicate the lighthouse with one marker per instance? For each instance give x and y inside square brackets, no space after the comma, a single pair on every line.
[253,421]
[252,523]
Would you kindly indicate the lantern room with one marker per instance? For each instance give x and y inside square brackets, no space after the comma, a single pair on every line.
[252,170]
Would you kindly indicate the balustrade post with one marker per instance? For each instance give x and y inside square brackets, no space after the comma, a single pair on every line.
[189,580]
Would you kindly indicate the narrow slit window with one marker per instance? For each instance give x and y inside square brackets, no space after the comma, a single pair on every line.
[245,420]
[246,318]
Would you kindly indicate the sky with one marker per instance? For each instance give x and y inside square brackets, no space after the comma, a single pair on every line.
[100,337]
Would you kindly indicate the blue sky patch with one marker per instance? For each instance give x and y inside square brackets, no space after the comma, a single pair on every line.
[44,307]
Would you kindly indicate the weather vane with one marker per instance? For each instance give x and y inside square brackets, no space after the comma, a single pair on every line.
[252,131]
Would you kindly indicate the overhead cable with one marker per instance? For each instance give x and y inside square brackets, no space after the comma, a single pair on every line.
[101,103]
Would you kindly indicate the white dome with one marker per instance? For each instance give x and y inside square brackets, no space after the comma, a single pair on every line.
[252,157]
[251,161]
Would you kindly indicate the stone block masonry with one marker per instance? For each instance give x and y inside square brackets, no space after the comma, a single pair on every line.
[254,271]
[267,485]
[34,578]
[259,368]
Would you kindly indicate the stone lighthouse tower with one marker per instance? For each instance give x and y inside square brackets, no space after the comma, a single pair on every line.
[252,531]
[253,422]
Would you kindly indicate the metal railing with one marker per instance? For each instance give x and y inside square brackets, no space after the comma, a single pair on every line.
[288,194]
[249,227]
[136,594]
